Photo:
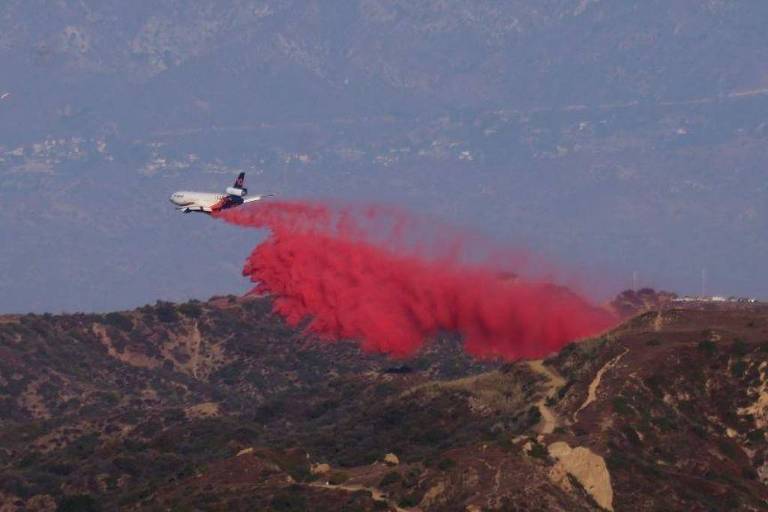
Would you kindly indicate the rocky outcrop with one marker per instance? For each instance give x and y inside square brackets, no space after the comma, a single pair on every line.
[586,467]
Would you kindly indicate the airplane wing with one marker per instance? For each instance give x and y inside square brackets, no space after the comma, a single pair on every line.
[189,209]
[256,198]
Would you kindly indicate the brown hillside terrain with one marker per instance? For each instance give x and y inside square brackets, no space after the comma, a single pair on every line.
[220,406]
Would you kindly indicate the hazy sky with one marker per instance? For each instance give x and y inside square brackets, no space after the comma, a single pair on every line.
[612,138]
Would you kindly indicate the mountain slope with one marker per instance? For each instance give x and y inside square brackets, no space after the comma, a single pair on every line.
[219,406]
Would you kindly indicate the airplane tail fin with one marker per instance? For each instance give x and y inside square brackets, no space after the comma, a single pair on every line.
[238,189]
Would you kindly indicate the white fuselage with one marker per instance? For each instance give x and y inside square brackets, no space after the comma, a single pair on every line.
[205,200]
[211,202]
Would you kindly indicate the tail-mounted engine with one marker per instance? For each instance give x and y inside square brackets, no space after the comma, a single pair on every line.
[239,192]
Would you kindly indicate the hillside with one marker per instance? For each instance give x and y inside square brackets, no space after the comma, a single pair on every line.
[219,406]
[622,135]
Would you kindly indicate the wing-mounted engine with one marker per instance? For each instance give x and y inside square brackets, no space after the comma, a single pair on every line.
[235,191]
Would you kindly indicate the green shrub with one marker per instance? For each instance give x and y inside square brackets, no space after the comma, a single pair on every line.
[61,469]
[707,346]
[739,348]
[84,445]
[110,397]
[338,478]
[749,473]
[384,389]
[538,451]
[289,501]
[632,435]
[699,431]
[78,503]
[616,461]
[564,390]
[412,477]
[655,383]
[505,442]
[390,478]
[166,312]
[191,310]
[119,321]
[446,464]
[621,406]
[738,368]
[730,449]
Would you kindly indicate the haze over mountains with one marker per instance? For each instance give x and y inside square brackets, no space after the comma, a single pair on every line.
[616,136]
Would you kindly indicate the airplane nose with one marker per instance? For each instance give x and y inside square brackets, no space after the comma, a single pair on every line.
[172,199]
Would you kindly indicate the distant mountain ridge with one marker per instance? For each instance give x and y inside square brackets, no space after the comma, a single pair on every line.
[618,137]
[425,56]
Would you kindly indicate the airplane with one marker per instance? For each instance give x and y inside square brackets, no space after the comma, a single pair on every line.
[209,202]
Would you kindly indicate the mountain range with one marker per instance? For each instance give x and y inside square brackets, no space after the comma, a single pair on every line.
[611,137]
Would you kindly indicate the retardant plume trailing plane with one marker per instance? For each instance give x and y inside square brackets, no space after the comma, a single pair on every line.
[209,202]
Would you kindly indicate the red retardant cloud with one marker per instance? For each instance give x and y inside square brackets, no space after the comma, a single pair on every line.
[347,271]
